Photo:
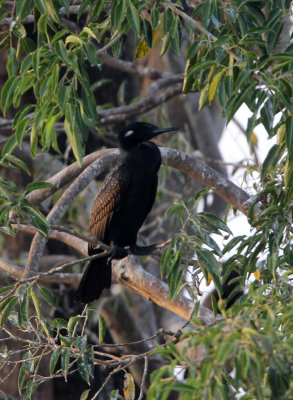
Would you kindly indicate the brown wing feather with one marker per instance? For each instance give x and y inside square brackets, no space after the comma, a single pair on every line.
[108,201]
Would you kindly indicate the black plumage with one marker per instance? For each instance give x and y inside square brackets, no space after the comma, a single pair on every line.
[122,203]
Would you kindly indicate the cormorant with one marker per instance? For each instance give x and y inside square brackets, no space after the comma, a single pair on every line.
[122,204]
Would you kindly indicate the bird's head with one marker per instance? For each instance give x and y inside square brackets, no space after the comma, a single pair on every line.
[138,132]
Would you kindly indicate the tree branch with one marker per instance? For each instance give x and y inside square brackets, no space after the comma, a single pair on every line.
[130,273]
[206,175]
[119,114]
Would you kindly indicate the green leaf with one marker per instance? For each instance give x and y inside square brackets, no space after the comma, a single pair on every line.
[34,140]
[74,39]
[15,160]
[23,8]
[38,219]
[21,377]
[63,93]
[21,130]
[209,265]
[235,102]
[12,63]
[102,328]
[54,359]
[23,310]
[59,323]
[38,185]
[166,42]
[155,17]
[200,66]
[176,208]
[117,13]
[114,394]
[167,21]
[232,243]
[82,368]
[72,322]
[47,296]
[215,221]
[85,394]
[26,64]
[61,51]
[73,133]
[8,92]
[271,159]
[133,18]
[289,138]
[204,98]
[8,308]
[90,359]
[65,357]
[5,289]
[98,8]
[165,260]
[147,32]
[36,303]
[176,262]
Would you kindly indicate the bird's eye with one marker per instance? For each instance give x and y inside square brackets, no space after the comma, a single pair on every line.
[129,133]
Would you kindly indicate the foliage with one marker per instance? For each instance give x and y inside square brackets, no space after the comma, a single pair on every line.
[233,55]
[256,344]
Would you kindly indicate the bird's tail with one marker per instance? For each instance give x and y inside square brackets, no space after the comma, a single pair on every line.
[96,277]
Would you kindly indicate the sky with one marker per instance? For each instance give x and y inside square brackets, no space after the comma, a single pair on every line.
[234,148]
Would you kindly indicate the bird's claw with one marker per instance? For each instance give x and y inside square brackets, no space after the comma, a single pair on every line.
[117,253]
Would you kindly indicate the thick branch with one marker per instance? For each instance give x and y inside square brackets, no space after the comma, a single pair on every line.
[206,175]
[69,173]
[130,273]
[16,272]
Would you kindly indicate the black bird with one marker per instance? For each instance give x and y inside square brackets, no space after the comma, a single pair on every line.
[122,204]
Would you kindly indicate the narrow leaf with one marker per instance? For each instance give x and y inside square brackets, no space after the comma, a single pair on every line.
[102,328]
[133,18]
[214,85]
[65,357]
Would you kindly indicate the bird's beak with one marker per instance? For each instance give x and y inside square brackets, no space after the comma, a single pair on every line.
[162,130]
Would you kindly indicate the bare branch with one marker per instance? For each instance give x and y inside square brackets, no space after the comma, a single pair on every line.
[145,372]
[69,173]
[206,175]
[130,273]
[133,68]
[119,114]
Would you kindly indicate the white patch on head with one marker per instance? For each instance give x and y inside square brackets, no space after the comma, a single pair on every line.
[128,133]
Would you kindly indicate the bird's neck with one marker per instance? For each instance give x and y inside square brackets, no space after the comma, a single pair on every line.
[144,154]
[142,146]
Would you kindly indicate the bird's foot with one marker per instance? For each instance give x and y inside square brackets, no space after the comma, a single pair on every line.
[117,253]
[142,250]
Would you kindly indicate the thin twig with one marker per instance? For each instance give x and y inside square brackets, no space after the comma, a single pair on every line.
[145,371]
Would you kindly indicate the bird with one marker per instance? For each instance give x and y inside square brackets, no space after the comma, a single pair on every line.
[122,204]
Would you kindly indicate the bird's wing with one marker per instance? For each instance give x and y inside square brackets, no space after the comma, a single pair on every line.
[108,201]
[153,195]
